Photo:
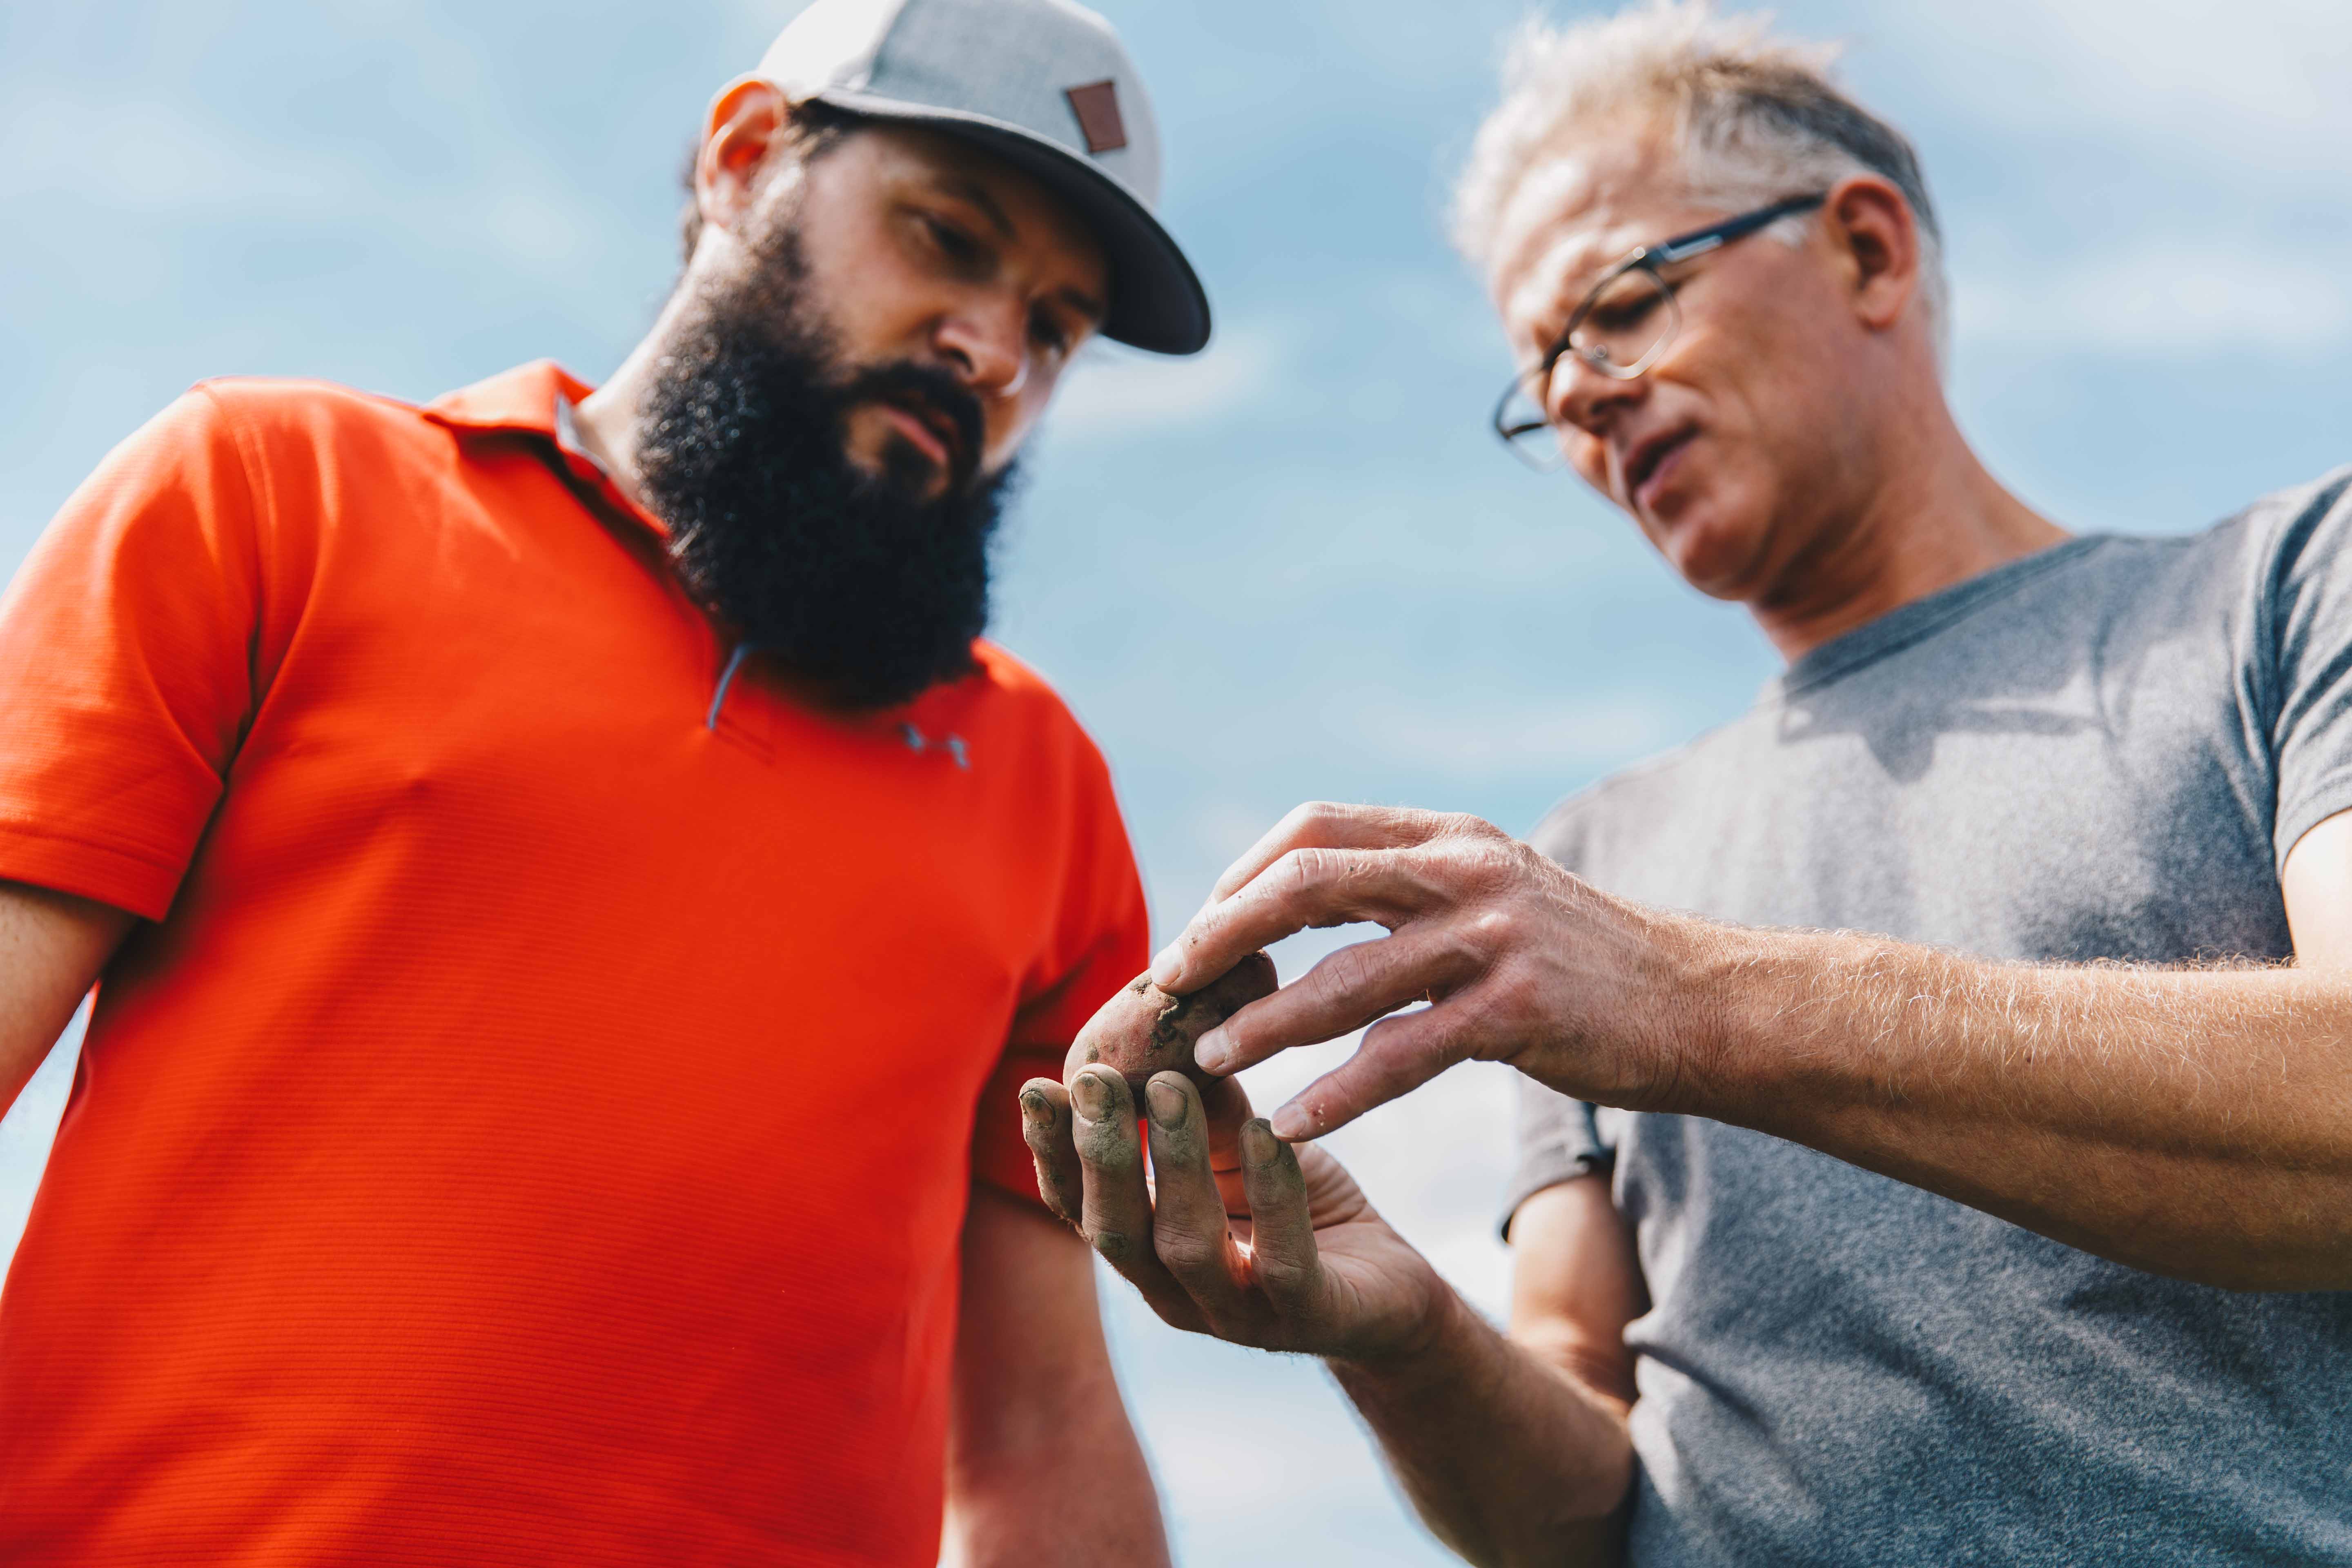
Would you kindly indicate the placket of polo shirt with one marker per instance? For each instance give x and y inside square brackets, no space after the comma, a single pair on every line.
[742,711]
[739,712]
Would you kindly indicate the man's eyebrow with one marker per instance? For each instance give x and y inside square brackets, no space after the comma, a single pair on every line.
[977,194]
[1579,276]
[973,191]
[1084,304]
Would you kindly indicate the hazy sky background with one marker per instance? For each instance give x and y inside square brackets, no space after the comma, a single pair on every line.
[1294,567]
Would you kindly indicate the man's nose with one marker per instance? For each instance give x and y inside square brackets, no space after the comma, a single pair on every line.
[987,339]
[1582,398]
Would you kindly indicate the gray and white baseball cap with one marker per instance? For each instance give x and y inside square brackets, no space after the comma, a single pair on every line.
[1044,84]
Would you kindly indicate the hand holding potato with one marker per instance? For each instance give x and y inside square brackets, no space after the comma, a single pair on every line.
[1238,1235]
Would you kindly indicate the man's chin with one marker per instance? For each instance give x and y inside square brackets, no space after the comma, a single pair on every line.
[1715,559]
[906,470]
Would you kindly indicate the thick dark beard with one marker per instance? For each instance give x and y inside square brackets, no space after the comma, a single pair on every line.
[851,580]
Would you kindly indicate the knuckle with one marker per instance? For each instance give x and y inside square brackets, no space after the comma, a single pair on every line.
[1497,930]
[1499,862]
[1301,878]
[1460,825]
[1284,1279]
[1434,1050]
[1466,956]
[1315,815]
[1187,1253]
[1462,868]
[1107,1143]
[1115,1246]
[1350,970]
[1513,992]
[1175,1148]
[1407,1046]
[1482,1025]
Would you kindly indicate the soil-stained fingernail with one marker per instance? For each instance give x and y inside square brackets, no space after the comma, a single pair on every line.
[1166,1103]
[1258,1142]
[1033,1105]
[1089,1094]
[1291,1123]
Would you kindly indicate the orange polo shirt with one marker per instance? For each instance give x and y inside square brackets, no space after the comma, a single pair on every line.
[537,1123]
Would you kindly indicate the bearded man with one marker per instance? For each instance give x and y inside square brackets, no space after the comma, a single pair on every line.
[1936,1131]
[513,836]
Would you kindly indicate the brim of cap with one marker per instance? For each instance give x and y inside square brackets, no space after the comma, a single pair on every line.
[1156,301]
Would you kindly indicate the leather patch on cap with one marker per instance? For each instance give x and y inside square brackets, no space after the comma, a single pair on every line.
[1096,104]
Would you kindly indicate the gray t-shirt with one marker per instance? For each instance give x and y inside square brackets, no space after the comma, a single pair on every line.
[2103,750]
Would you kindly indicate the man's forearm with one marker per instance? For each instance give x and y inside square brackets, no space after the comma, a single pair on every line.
[2196,1123]
[1508,1459]
[1076,1497]
[1044,1469]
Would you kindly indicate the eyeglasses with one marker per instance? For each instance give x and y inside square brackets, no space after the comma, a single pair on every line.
[1621,328]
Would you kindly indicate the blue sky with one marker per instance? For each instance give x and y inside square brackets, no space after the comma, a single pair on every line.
[1293,567]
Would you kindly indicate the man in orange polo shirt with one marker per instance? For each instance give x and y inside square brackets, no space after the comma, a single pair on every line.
[519,840]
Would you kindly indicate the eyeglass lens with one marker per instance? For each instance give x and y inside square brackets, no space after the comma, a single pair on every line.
[1626,321]
[1620,330]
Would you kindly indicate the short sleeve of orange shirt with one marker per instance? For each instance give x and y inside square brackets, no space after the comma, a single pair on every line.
[536,1121]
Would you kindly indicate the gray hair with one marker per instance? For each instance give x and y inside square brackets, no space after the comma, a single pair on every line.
[1755,119]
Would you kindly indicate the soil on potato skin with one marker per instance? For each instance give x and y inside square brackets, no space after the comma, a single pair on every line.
[1144,1030]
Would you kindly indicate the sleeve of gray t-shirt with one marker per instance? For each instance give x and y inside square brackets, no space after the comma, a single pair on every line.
[2304,649]
[1558,1142]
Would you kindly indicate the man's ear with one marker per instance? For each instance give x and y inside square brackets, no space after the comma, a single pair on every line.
[1873,226]
[747,120]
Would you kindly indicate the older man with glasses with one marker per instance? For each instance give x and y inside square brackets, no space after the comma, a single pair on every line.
[2018,1229]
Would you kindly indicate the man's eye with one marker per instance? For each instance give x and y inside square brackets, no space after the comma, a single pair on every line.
[1046,332]
[953,243]
[1614,315]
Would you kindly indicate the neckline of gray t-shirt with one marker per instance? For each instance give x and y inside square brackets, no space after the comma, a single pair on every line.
[1921,619]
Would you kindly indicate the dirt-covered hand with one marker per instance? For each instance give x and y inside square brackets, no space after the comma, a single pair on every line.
[1235,1234]
[1521,962]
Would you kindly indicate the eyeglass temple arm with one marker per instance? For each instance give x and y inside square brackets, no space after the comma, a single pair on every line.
[1683,247]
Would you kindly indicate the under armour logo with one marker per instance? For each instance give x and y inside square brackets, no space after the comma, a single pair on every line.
[918,741]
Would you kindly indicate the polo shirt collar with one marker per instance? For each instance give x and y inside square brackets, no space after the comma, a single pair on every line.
[521,399]
[535,399]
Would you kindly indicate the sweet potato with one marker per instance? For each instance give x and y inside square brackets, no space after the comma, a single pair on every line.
[1144,1030]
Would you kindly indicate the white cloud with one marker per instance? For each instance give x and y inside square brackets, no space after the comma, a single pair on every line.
[1116,391]
[130,154]
[2255,81]
[2166,299]
[1599,729]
